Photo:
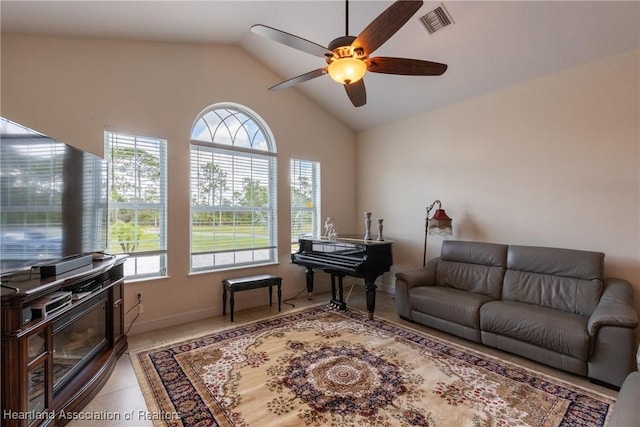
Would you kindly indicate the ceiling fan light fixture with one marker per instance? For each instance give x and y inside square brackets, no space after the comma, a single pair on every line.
[347,70]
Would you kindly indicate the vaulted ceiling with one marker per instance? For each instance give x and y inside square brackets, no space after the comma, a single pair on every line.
[490,45]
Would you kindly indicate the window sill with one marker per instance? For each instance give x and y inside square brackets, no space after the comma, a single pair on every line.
[146,279]
[222,270]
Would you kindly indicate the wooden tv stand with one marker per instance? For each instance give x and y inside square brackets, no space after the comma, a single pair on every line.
[53,365]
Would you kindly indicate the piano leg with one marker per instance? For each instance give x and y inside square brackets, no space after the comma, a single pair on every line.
[333,287]
[337,304]
[370,289]
[309,273]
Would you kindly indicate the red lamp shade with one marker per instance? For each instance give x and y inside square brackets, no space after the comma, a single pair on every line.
[440,223]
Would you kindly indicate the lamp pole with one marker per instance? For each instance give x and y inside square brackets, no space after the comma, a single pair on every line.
[426,229]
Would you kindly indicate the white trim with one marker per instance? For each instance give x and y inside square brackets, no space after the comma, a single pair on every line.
[172,320]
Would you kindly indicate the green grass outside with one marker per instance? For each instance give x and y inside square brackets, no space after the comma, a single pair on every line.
[205,238]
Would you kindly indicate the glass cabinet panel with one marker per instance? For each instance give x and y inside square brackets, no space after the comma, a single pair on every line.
[36,391]
[36,345]
[77,336]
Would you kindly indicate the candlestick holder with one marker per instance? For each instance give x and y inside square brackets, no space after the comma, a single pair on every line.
[367,226]
[380,238]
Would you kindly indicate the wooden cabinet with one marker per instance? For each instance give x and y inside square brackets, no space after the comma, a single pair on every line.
[57,356]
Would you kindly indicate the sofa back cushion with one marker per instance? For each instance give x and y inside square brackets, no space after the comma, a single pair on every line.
[562,279]
[472,266]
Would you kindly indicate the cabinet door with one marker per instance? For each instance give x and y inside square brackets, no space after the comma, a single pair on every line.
[117,315]
[36,345]
[39,386]
[37,395]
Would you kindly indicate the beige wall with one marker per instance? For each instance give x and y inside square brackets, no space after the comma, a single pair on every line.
[552,162]
[70,89]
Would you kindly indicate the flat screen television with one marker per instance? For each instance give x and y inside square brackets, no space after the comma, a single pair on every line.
[53,199]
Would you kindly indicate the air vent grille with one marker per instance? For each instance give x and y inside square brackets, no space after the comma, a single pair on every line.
[437,19]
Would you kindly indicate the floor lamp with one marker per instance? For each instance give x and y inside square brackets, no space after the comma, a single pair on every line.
[439,223]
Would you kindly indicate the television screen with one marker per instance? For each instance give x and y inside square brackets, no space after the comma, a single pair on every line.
[53,199]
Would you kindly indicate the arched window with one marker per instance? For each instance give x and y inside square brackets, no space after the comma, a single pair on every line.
[233,189]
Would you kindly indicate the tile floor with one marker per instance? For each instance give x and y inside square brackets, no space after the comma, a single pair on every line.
[120,402]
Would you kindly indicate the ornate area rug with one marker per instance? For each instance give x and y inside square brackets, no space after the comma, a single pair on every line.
[318,367]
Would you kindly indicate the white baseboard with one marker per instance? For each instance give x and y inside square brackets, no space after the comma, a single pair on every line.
[173,320]
[243,302]
[388,288]
[191,316]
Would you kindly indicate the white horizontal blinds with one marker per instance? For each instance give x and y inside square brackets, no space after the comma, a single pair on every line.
[138,201]
[94,204]
[32,196]
[233,192]
[305,199]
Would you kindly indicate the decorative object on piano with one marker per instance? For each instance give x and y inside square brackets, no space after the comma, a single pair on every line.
[330,230]
[380,238]
[367,226]
[439,223]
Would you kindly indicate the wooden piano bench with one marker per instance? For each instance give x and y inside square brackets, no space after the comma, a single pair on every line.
[250,282]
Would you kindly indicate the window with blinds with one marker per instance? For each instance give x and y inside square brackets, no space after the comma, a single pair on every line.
[305,200]
[138,202]
[233,190]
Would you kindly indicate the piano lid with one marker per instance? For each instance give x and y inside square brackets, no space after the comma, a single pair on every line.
[346,238]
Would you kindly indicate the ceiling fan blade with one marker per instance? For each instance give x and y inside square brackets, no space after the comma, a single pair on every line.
[291,40]
[299,79]
[404,66]
[356,93]
[386,25]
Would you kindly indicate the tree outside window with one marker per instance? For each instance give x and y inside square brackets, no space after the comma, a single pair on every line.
[233,190]
[305,199]
[137,202]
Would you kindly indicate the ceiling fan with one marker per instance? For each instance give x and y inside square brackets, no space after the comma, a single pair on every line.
[348,58]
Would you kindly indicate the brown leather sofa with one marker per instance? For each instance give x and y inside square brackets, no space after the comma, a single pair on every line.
[550,305]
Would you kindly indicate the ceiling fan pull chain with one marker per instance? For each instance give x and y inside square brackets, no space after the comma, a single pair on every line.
[346,19]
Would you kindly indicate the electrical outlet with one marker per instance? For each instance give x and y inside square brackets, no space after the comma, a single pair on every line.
[139,298]
[140,306]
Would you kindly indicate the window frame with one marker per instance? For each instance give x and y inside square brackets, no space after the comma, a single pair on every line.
[133,264]
[314,176]
[230,159]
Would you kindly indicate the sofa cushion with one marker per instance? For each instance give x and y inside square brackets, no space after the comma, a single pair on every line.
[554,330]
[562,279]
[472,266]
[450,304]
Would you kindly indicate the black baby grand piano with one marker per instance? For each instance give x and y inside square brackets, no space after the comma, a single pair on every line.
[345,256]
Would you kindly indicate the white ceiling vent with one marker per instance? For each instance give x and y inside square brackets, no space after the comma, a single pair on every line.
[437,19]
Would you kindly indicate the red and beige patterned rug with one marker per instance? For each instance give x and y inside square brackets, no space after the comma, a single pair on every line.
[318,367]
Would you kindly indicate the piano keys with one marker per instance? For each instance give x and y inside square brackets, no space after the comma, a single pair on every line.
[345,256]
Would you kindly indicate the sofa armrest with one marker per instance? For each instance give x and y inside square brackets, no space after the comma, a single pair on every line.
[627,412]
[425,276]
[615,307]
[406,280]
